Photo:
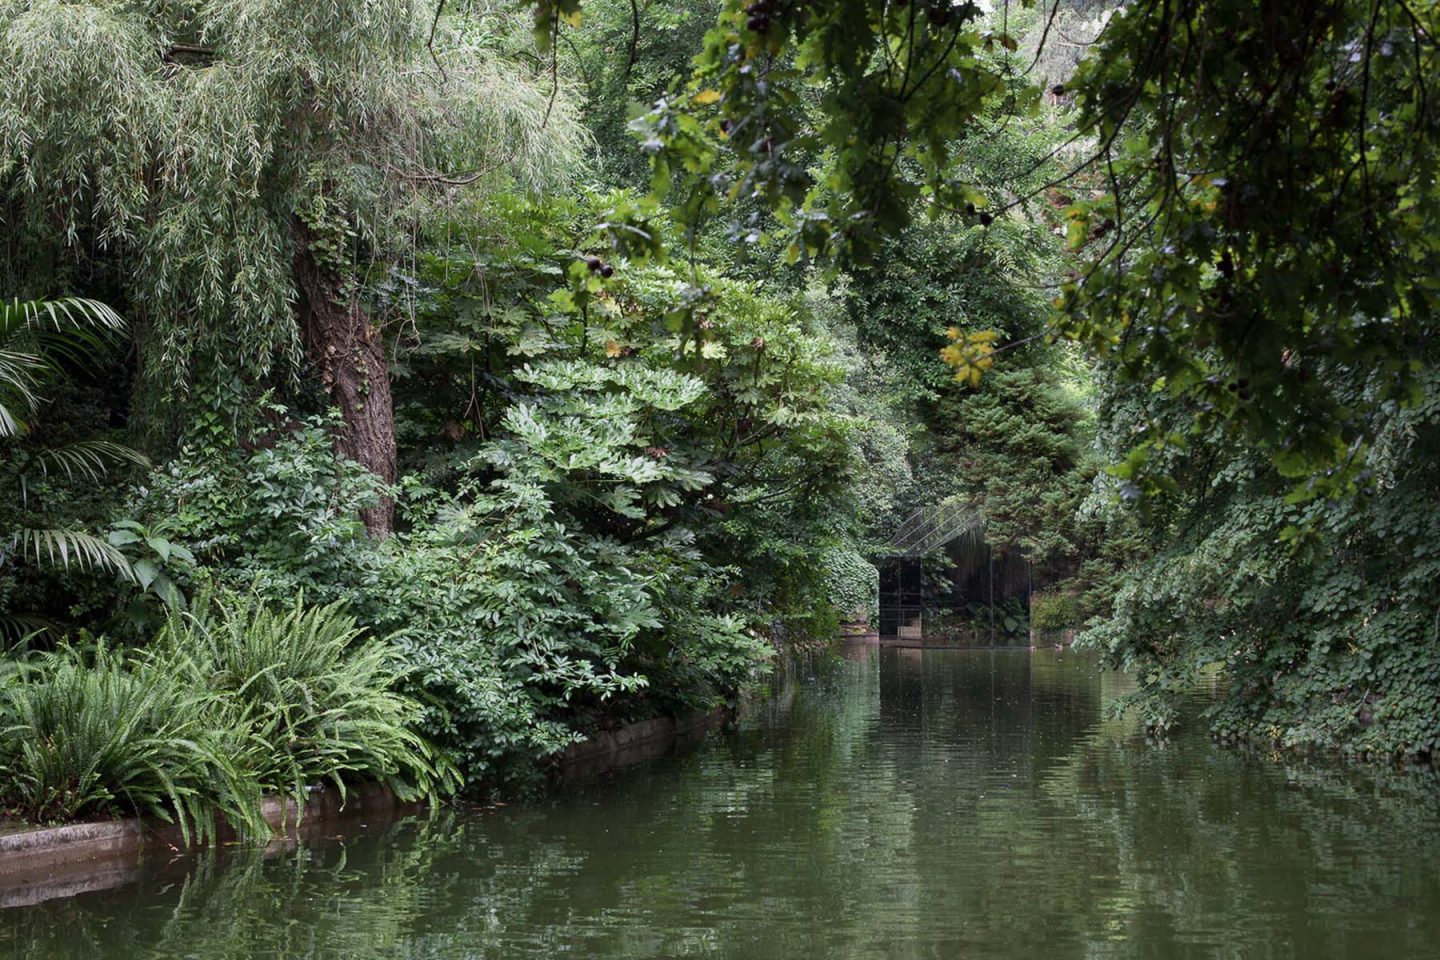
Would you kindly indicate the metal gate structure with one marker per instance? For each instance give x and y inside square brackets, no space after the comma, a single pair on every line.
[903,589]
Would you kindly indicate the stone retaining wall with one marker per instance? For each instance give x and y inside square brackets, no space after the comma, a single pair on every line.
[46,862]
[634,742]
[42,863]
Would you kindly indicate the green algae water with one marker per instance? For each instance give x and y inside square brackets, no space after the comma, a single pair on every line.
[887,803]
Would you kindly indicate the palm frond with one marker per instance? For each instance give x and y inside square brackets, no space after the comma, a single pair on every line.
[19,374]
[68,548]
[64,314]
[36,336]
[89,459]
[9,424]
[19,628]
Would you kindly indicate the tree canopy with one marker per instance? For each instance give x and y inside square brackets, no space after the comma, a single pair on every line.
[1251,196]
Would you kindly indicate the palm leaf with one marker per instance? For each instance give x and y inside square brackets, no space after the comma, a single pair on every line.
[62,315]
[36,336]
[86,458]
[19,373]
[19,628]
[67,548]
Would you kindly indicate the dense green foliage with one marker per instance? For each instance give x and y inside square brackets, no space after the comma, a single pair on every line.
[599,516]
[853,585]
[1015,444]
[1249,206]
[418,330]
[1322,612]
[1269,214]
[231,703]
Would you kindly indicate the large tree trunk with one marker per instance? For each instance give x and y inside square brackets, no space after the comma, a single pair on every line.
[349,352]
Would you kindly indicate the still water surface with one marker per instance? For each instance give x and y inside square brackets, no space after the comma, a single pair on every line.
[893,803]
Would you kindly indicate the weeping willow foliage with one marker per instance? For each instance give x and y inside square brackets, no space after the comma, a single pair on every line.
[176,140]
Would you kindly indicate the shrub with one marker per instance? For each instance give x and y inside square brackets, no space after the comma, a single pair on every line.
[1055,611]
[278,518]
[81,736]
[505,621]
[234,701]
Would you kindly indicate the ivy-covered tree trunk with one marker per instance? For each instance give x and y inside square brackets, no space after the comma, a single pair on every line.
[349,352]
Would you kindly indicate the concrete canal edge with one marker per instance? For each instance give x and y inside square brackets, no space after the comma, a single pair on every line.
[634,742]
[44,863]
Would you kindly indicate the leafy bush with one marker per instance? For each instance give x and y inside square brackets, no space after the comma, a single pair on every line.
[852,585]
[1055,611]
[505,622]
[82,736]
[1322,614]
[234,701]
[277,514]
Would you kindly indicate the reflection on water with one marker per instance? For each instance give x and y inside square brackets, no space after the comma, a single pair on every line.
[895,803]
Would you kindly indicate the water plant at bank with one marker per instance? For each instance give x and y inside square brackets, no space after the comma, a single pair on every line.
[234,702]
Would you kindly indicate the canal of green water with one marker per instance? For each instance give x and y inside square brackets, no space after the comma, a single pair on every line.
[887,803]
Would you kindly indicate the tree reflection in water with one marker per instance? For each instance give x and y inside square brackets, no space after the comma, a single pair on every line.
[895,803]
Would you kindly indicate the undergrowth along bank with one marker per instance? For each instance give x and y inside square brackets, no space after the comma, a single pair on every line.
[234,701]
